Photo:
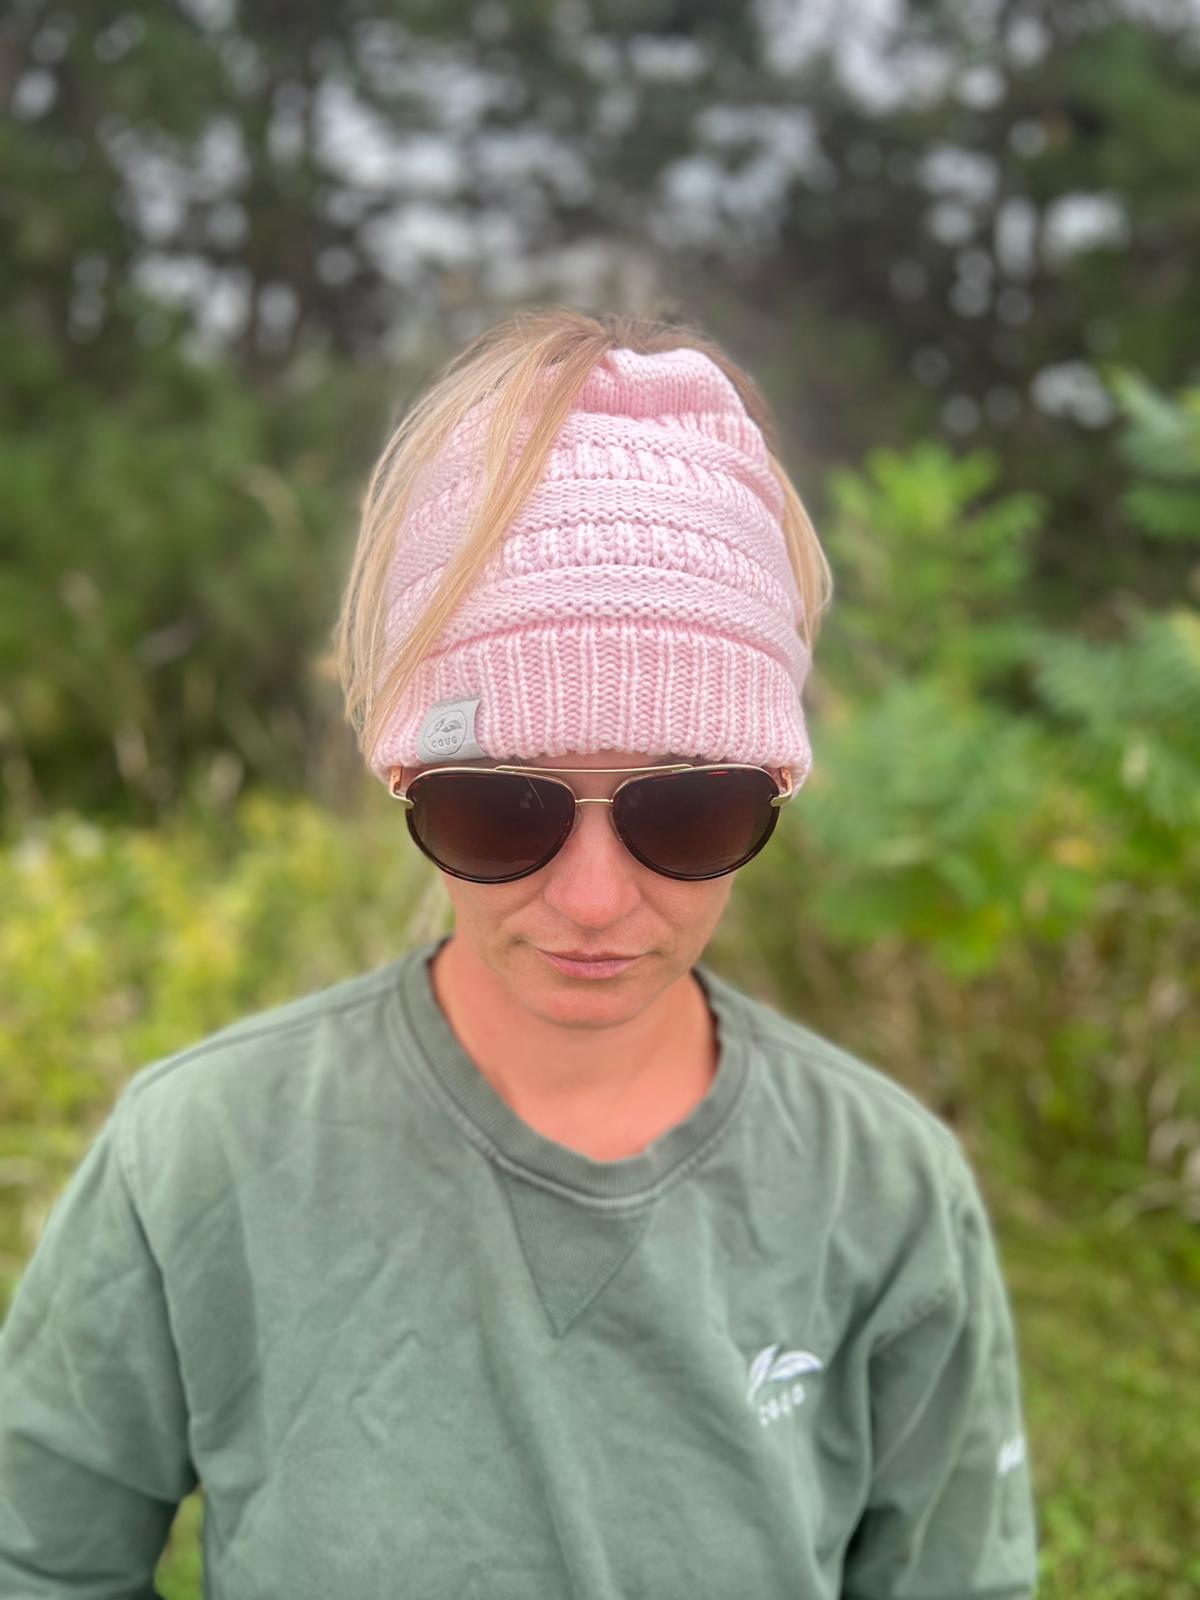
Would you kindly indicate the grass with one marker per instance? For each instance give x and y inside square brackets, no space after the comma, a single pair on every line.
[1111,1373]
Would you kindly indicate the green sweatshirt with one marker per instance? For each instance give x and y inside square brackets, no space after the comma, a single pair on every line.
[411,1347]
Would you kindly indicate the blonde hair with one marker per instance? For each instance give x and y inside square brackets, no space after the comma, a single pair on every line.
[504,365]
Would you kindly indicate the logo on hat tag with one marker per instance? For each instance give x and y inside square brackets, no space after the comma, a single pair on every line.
[449,730]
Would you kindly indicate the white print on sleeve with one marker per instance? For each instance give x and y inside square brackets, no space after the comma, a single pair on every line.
[1012,1453]
[768,1368]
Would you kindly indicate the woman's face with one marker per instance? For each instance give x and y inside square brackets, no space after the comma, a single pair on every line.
[593,898]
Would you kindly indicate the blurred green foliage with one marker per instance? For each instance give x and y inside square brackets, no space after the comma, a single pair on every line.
[171,568]
[174,531]
[989,885]
[1008,805]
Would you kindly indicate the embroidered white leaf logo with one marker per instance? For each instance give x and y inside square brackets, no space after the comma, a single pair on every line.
[792,1363]
[759,1368]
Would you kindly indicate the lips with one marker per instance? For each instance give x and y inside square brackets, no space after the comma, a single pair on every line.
[594,968]
[591,956]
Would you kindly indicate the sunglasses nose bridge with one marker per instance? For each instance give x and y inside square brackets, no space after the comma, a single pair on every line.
[592,800]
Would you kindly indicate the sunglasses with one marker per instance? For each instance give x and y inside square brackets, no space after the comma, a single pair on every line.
[498,824]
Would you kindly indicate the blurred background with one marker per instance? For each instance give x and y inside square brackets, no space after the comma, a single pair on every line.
[957,245]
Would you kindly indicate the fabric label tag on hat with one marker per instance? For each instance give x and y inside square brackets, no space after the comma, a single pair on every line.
[449,730]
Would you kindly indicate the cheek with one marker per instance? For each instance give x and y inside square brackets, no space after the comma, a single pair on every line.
[481,904]
[700,904]
[695,906]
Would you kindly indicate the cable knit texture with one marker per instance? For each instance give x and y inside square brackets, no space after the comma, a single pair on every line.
[642,600]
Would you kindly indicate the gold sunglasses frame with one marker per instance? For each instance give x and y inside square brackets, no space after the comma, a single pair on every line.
[396,776]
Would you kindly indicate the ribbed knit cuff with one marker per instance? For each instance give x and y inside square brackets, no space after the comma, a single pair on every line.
[677,688]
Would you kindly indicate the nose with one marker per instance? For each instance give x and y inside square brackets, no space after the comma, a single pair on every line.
[593,878]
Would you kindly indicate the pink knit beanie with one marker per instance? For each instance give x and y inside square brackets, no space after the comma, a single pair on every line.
[641,600]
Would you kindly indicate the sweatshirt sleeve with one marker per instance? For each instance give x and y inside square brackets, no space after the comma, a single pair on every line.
[950,1513]
[93,1423]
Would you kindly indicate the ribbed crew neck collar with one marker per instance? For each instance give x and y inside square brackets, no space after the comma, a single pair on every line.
[427,1039]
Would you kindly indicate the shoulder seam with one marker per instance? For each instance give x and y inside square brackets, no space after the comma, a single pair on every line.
[124,1157]
[958,1199]
[945,1141]
[916,1313]
[878,1082]
[126,1163]
[236,1032]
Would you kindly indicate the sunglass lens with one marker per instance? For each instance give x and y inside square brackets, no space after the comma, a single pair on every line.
[488,827]
[698,824]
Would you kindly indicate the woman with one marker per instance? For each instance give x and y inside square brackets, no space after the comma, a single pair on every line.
[541,1261]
